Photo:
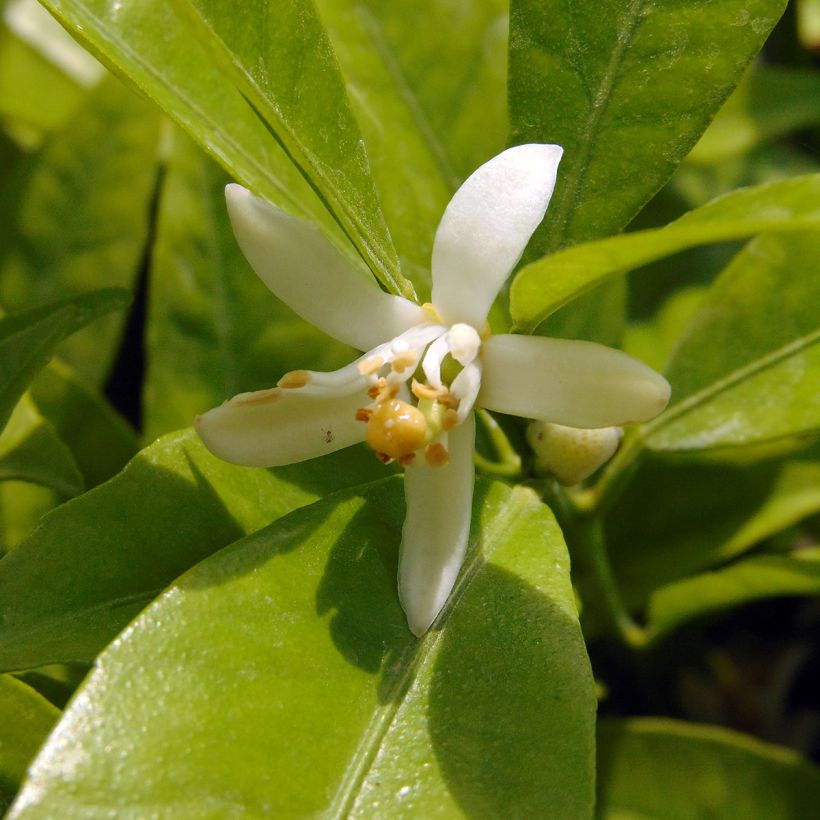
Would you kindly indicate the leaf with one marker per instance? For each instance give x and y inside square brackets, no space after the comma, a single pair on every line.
[749,579]
[490,714]
[28,338]
[147,44]
[21,507]
[26,718]
[651,767]
[626,89]
[654,539]
[739,378]
[31,450]
[214,330]
[95,562]
[99,439]
[544,286]
[770,102]
[281,59]
[76,217]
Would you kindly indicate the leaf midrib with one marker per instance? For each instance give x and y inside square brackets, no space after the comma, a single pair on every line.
[415,658]
[571,193]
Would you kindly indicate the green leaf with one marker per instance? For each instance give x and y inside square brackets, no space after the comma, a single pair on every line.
[146,43]
[26,719]
[808,23]
[655,768]
[749,579]
[770,102]
[653,537]
[626,89]
[76,216]
[28,338]
[99,439]
[31,450]
[737,376]
[544,286]
[21,507]
[96,561]
[491,714]
[209,310]
[281,59]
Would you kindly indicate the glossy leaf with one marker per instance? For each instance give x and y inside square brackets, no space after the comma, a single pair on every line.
[626,89]
[544,286]
[770,102]
[31,450]
[67,590]
[738,377]
[145,42]
[28,338]
[750,579]
[100,440]
[664,768]
[490,713]
[26,718]
[655,539]
[76,217]
[281,59]
[214,330]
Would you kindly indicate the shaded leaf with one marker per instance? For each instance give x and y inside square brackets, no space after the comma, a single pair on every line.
[26,719]
[664,768]
[544,286]
[491,713]
[214,330]
[95,562]
[31,450]
[626,89]
[281,59]
[21,507]
[76,216]
[28,338]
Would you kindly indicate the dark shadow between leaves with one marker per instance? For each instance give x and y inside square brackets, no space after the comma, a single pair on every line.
[511,707]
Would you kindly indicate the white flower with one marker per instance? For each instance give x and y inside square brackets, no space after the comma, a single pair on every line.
[412,394]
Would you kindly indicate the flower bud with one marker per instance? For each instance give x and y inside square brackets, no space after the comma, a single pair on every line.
[571,454]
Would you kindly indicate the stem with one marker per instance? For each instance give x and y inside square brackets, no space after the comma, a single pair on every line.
[602,496]
[509,462]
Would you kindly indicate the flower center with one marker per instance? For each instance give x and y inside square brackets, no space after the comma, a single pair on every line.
[444,372]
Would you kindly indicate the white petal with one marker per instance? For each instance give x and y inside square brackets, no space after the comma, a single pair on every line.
[300,265]
[465,388]
[270,428]
[579,384]
[487,226]
[434,538]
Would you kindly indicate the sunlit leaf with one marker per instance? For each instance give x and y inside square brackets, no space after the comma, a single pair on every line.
[651,768]
[26,719]
[214,330]
[296,634]
[76,216]
[281,59]
[21,507]
[95,562]
[31,450]
[626,89]
[737,376]
[544,286]
[28,338]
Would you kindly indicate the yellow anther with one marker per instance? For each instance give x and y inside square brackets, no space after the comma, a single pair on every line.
[402,361]
[370,366]
[449,419]
[363,414]
[424,391]
[436,454]
[396,429]
[296,378]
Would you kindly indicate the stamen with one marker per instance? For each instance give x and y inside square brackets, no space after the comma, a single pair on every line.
[294,379]
[449,419]
[374,389]
[407,460]
[363,414]
[424,391]
[436,454]
[370,366]
[402,361]
[384,458]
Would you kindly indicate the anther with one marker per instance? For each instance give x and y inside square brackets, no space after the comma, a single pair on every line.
[424,391]
[296,378]
[449,419]
[363,414]
[384,458]
[370,366]
[402,361]
[407,460]
[436,454]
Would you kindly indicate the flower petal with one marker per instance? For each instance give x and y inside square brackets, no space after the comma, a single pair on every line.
[273,427]
[434,538]
[579,384]
[486,227]
[300,265]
